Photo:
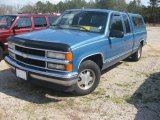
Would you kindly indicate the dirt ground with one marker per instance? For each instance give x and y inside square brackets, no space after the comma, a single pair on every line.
[129,91]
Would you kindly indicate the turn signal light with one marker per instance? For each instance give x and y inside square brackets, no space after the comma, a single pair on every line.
[68,56]
[69,67]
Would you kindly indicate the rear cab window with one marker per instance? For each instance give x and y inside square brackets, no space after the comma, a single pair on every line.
[137,21]
[40,22]
[126,24]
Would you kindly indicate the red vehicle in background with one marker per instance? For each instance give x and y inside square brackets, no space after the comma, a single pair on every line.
[11,25]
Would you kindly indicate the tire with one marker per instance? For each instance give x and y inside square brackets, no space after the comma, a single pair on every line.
[1,53]
[137,55]
[88,70]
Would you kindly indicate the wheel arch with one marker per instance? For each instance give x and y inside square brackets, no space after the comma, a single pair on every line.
[97,58]
[142,43]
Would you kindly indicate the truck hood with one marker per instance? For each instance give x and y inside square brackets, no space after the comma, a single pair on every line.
[70,37]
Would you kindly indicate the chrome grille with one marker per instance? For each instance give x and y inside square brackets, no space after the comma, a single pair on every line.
[30,51]
[33,56]
[31,61]
[29,56]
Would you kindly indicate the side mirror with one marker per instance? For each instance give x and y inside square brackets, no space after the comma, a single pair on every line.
[15,28]
[116,33]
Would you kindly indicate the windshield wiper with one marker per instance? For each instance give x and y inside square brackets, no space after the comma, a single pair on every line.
[84,28]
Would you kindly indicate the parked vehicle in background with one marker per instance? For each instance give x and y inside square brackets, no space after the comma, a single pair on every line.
[21,23]
[80,45]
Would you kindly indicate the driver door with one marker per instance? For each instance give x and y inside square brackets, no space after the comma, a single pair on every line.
[116,46]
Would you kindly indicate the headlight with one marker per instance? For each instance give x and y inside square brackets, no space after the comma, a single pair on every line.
[56,66]
[55,55]
[10,45]
[64,56]
[60,67]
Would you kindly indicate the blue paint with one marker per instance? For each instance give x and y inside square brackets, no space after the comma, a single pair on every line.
[84,43]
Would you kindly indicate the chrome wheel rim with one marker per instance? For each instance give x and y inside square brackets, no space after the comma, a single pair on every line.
[86,79]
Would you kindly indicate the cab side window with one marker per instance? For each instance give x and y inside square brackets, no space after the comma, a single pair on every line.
[40,22]
[126,22]
[116,23]
[137,21]
[24,22]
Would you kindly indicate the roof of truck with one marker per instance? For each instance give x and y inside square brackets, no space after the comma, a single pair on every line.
[100,10]
[87,9]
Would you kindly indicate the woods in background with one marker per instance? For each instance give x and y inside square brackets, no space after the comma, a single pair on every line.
[151,13]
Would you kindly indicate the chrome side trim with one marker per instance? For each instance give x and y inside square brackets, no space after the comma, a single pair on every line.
[115,57]
[139,32]
[39,58]
[135,48]
[52,74]
[64,83]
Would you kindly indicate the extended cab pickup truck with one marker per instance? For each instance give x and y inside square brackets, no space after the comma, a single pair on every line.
[72,53]
[21,23]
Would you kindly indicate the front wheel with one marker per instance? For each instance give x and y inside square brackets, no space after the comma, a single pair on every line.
[89,76]
[137,55]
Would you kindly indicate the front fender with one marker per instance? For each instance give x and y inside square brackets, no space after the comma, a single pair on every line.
[85,51]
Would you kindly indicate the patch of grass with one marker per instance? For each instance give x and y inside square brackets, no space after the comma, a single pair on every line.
[120,100]
[144,57]
[125,63]
[123,84]
[126,85]
[100,91]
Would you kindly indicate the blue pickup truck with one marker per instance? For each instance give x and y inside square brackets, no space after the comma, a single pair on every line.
[71,54]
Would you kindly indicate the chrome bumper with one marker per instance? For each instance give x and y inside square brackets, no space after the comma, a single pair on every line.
[67,79]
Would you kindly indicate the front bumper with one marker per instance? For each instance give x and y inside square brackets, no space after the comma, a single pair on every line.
[65,79]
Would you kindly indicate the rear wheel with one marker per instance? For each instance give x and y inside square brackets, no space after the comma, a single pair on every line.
[1,53]
[89,76]
[137,55]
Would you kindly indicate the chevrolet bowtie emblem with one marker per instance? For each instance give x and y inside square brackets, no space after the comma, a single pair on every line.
[24,55]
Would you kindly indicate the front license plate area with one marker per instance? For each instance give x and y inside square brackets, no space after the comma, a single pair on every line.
[21,74]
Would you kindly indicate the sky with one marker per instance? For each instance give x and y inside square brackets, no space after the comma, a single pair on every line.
[24,2]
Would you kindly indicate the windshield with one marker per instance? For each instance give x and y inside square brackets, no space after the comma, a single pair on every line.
[82,20]
[6,21]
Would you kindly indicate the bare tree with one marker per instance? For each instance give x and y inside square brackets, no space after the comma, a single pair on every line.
[6,9]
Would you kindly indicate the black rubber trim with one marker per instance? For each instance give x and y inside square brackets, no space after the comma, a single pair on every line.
[40,44]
